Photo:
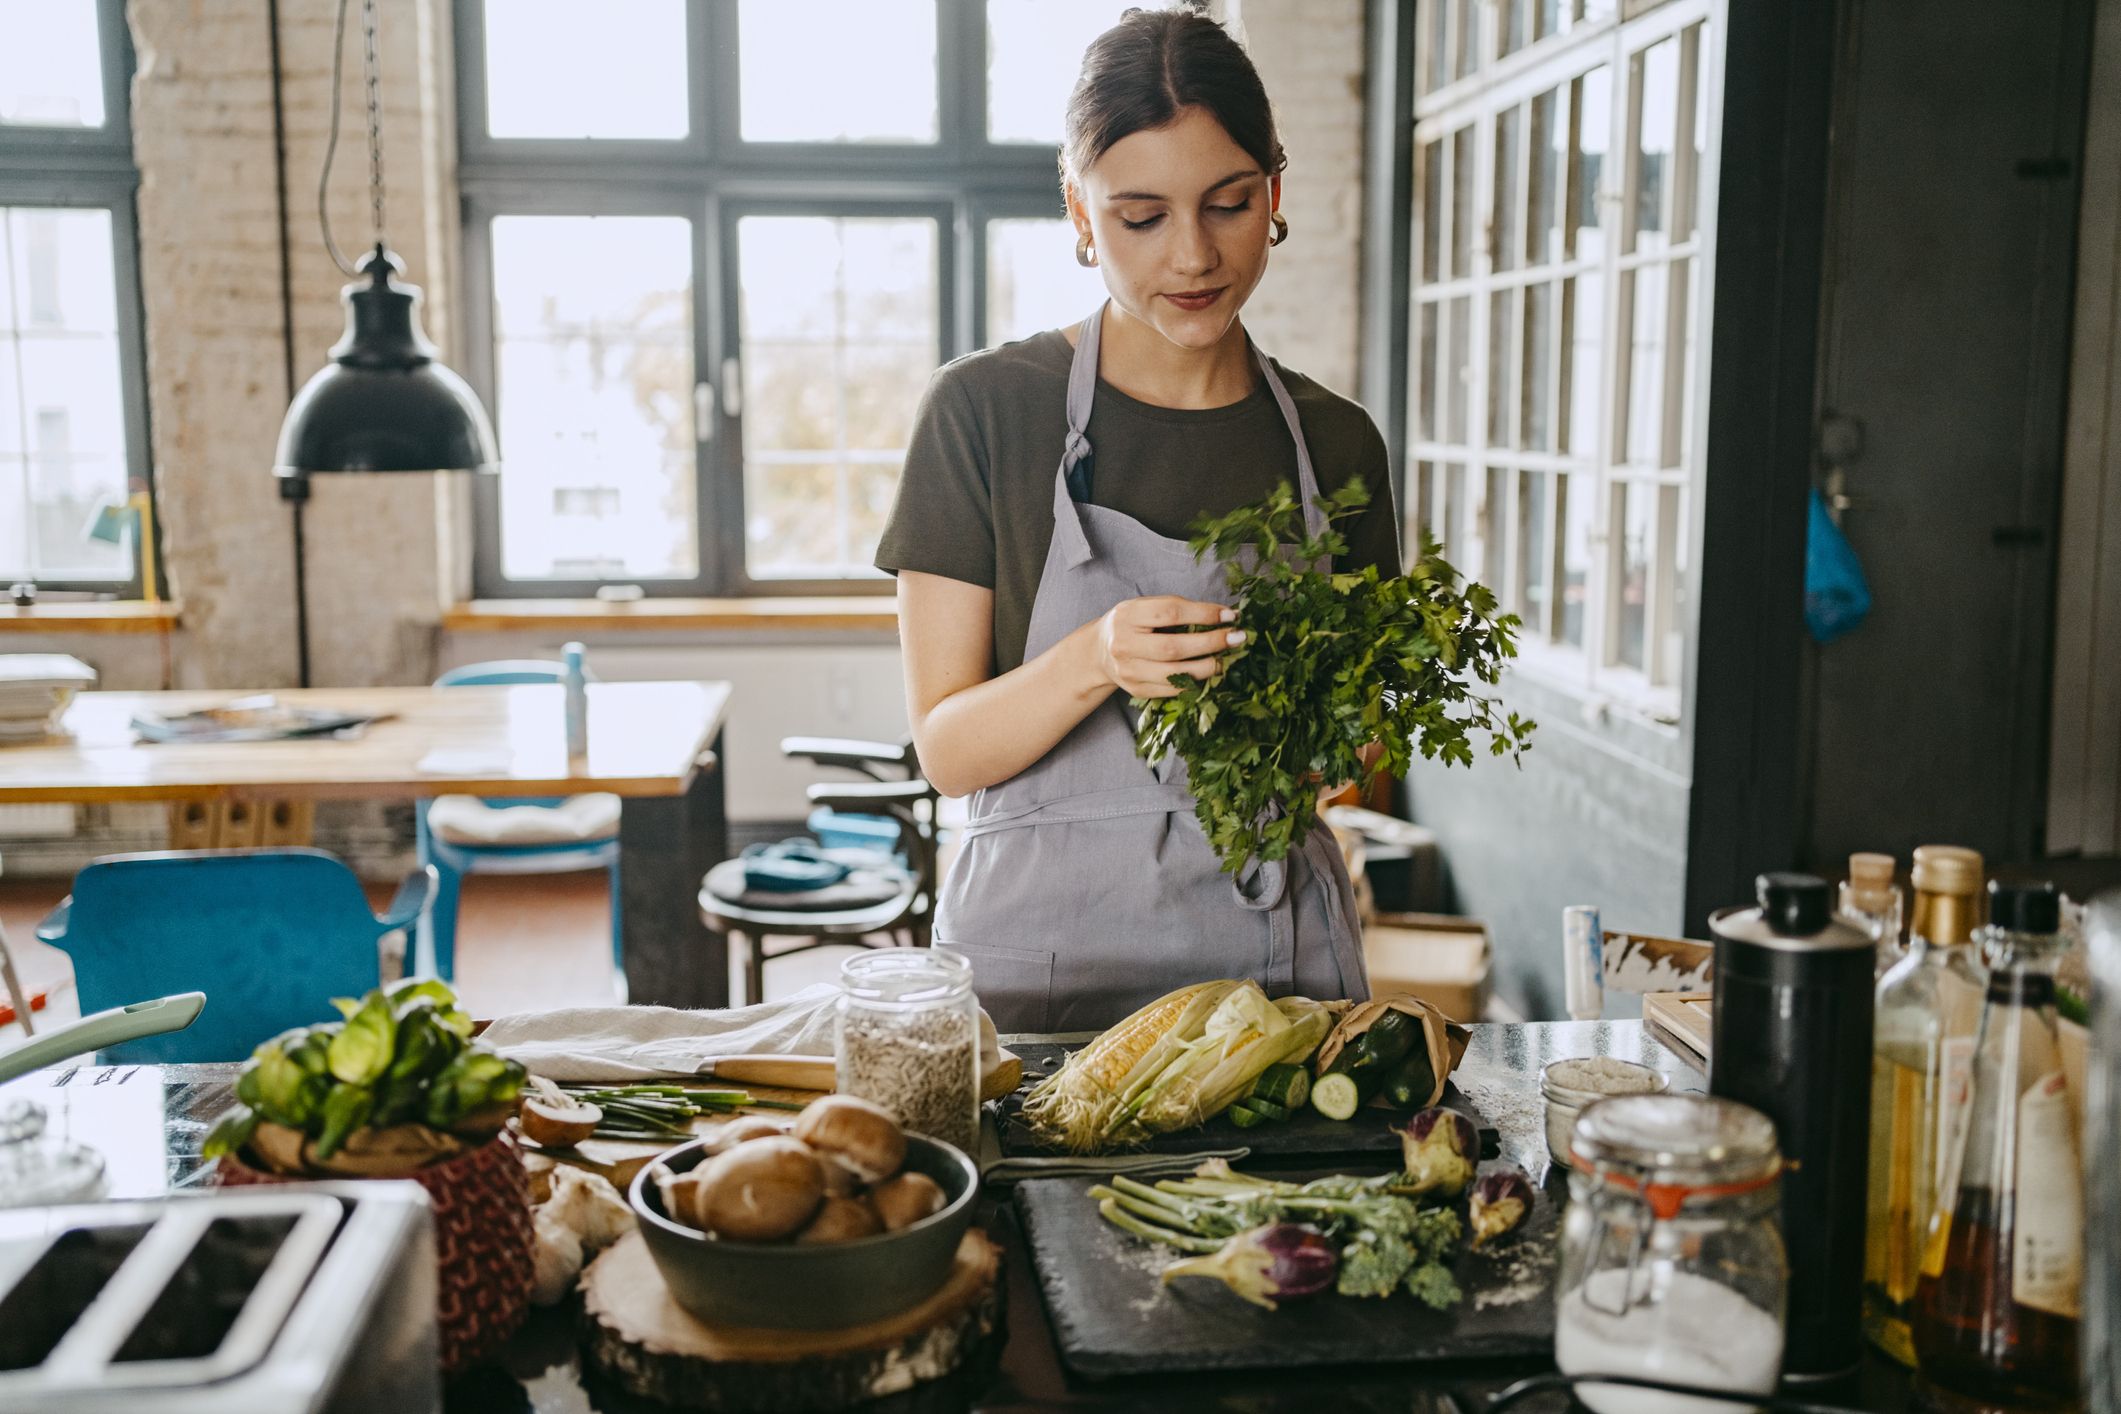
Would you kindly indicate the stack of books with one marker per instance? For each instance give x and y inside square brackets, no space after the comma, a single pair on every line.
[34,691]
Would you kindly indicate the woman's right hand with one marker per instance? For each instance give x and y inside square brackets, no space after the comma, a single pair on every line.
[1138,647]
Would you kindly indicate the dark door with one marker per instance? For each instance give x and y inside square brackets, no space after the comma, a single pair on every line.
[1949,259]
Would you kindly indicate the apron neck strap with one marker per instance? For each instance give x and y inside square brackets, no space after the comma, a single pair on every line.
[1077,460]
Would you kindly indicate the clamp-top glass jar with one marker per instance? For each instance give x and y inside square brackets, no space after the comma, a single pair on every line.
[1672,1264]
[908,1039]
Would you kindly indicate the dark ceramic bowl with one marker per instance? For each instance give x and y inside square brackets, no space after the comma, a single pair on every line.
[824,1287]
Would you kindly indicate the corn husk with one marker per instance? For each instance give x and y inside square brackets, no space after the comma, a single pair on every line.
[1074,1108]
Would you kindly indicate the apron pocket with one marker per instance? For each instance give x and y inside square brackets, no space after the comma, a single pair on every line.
[1015,985]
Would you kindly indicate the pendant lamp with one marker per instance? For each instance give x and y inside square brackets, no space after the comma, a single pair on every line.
[384,403]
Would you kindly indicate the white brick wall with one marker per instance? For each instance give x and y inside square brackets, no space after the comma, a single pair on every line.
[1310,55]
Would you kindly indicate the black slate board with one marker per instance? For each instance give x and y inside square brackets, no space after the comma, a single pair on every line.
[1306,1135]
[1113,1317]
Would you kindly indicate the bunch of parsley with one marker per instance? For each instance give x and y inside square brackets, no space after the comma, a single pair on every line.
[1330,663]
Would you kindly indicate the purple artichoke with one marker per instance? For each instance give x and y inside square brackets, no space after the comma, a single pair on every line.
[1502,1198]
[1281,1261]
[1440,1148]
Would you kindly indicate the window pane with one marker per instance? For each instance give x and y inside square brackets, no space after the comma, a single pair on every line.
[812,72]
[1426,376]
[51,74]
[840,328]
[62,407]
[1515,19]
[1502,393]
[1583,375]
[1033,281]
[1465,36]
[1538,367]
[1656,72]
[1462,203]
[1457,370]
[550,75]
[1646,367]
[1435,42]
[1456,522]
[1494,512]
[1535,553]
[1505,241]
[593,391]
[1034,52]
[1698,36]
[1635,510]
[1431,178]
[1574,493]
[1672,537]
[1421,506]
[1594,118]
[1548,148]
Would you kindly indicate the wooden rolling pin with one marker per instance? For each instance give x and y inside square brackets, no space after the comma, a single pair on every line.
[817,1073]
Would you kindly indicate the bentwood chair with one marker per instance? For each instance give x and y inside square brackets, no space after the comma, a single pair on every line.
[886,900]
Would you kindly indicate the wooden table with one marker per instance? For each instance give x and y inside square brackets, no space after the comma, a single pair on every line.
[148,1122]
[655,745]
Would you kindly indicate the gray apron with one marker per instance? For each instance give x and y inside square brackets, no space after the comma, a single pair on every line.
[1084,887]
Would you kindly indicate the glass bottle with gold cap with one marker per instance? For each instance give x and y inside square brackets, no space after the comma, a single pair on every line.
[1929,1007]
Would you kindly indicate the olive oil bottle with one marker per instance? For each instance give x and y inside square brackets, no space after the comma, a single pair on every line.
[1929,1006]
[1997,1305]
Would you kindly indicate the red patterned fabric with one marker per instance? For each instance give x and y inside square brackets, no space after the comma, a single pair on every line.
[481,1204]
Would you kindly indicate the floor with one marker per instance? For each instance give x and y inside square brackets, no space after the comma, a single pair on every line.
[523,944]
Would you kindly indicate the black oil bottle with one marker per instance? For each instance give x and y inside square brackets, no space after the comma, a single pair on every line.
[1792,1038]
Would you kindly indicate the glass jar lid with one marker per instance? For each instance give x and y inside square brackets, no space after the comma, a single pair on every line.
[909,977]
[1675,1148]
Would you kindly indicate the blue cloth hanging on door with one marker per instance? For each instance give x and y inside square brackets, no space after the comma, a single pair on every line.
[1837,597]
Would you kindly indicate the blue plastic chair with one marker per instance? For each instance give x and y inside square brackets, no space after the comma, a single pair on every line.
[453,859]
[270,935]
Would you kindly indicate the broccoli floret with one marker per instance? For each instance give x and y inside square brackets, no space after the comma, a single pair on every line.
[1373,1265]
[1436,1233]
[1432,1284]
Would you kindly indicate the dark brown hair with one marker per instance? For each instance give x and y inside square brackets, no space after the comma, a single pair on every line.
[1140,73]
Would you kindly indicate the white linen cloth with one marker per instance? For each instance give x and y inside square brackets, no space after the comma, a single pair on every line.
[633,1043]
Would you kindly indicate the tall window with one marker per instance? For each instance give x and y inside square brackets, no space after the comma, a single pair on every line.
[72,423]
[1564,168]
[716,247]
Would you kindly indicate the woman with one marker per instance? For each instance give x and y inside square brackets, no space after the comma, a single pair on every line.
[1033,602]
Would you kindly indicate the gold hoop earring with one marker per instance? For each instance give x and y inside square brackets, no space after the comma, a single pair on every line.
[1085,252]
[1281,228]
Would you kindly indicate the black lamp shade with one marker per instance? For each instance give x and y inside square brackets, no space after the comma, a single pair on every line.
[383,403]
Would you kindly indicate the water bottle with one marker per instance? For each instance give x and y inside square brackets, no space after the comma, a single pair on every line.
[574,684]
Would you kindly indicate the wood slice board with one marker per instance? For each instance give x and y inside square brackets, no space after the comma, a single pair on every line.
[1305,1136]
[637,1336]
[1113,1316]
[1688,1017]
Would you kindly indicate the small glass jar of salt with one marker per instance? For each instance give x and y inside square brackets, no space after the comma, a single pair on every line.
[1672,1263]
[908,1039]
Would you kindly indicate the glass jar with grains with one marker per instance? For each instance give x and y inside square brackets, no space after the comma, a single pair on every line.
[908,1039]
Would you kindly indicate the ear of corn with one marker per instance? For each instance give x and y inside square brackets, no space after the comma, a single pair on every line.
[1177,1062]
[1073,1106]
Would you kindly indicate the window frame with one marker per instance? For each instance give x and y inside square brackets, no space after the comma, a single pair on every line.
[1472,104]
[92,169]
[714,178]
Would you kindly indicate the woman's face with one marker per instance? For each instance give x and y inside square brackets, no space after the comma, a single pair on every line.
[1179,217]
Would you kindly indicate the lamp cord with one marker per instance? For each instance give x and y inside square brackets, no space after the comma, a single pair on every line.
[371,71]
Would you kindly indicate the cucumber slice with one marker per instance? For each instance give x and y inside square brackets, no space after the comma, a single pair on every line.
[1267,1109]
[1285,1085]
[1336,1096]
[1244,1118]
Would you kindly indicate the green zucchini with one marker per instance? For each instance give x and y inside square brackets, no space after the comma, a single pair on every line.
[1383,1046]
[1285,1085]
[1245,1118]
[1266,1109]
[1409,1084]
[1336,1096]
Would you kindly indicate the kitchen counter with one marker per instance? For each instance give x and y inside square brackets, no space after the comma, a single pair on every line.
[149,1121]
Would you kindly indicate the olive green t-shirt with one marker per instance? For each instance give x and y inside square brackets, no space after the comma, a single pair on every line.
[975,502]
